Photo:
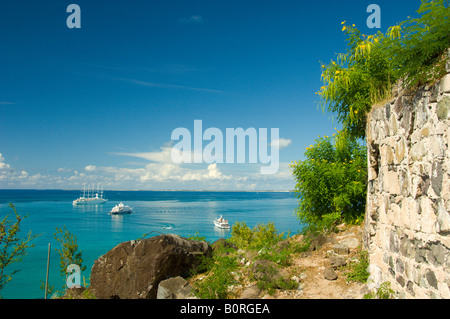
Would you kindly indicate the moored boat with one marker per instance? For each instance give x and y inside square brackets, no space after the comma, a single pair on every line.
[221,223]
[90,199]
[121,209]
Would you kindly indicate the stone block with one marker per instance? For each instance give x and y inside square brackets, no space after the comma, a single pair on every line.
[443,219]
[400,151]
[340,249]
[437,175]
[387,155]
[445,84]
[443,107]
[391,182]
[418,151]
[428,215]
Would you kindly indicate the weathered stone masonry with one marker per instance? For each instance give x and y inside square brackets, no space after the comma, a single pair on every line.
[407,223]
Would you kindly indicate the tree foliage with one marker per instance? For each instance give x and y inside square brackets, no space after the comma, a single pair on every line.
[331,182]
[13,248]
[412,51]
[68,252]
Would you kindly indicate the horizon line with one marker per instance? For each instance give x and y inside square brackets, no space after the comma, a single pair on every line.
[152,190]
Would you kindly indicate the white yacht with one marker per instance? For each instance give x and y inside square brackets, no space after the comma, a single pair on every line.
[90,199]
[221,223]
[121,209]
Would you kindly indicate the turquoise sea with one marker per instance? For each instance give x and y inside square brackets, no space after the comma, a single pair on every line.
[156,212]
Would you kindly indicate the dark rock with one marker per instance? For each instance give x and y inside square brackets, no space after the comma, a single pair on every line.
[341,249]
[394,243]
[410,288]
[317,242]
[436,253]
[329,274]
[419,252]
[400,280]
[431,278]
[436,177]
[133,269]
[336,262]
[443,108]
[388,111]
[251,292]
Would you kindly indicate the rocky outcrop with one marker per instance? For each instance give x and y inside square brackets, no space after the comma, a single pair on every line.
[407,223]
[134,269]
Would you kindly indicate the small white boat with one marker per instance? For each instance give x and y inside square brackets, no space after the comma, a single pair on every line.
[221,223]
[121,209]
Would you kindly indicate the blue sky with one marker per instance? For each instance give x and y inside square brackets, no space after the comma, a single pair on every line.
[76,105]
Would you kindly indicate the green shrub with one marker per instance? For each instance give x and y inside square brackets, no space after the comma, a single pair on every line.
[269,279]
[258,237]
[383,292]
[218,270]
[331,182]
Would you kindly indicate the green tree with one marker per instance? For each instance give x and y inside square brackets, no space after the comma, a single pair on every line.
[331,182]
[13,248]
[68,252]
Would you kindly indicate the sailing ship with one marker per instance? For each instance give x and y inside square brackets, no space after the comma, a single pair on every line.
[90,199]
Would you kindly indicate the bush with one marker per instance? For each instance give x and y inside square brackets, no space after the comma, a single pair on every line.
[331,182]
[218,276]
[68,253]
[259,237]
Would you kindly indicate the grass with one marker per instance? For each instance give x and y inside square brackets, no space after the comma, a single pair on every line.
[262,253]
[357,270]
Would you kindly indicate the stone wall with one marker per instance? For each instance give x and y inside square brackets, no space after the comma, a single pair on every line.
[407,223]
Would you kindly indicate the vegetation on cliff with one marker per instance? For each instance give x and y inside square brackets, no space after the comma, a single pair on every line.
[331,181]
[412,51]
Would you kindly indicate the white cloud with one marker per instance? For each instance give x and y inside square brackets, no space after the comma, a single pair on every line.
[162,156]
[159,173]
[3,165]
[281,143]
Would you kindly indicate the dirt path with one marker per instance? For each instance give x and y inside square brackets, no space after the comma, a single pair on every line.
[312,266]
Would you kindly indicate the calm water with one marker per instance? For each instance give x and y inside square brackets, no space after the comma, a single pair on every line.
[181,213]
